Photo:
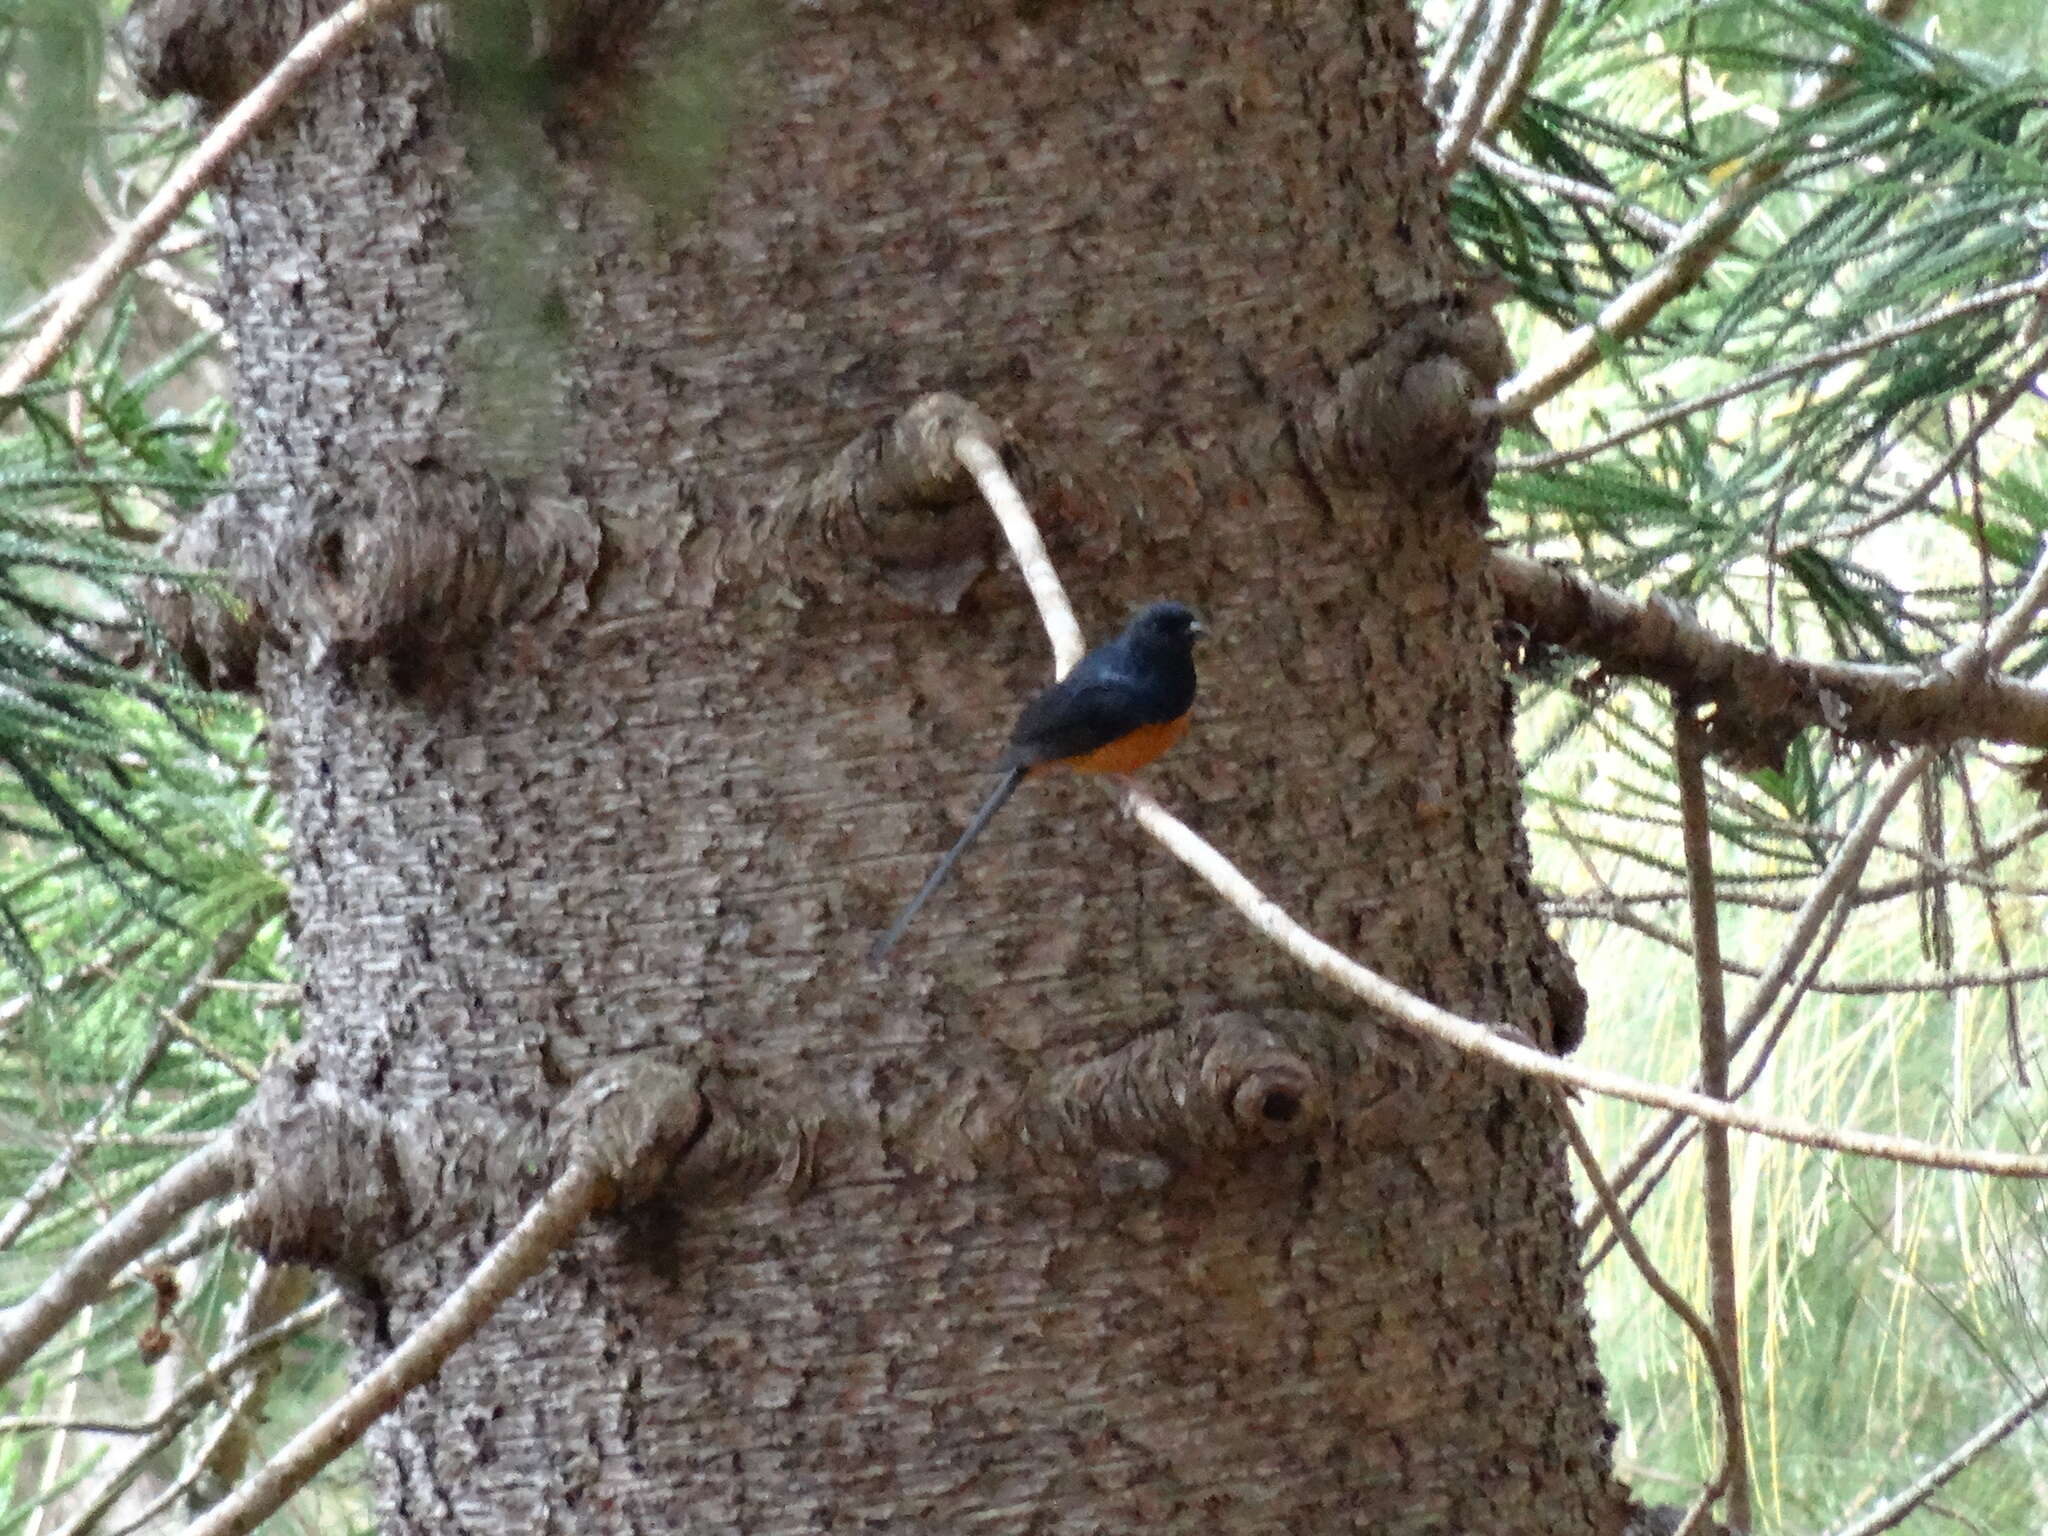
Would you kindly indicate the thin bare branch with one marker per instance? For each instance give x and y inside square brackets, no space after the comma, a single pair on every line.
[2030,289]
[1700,243]
[85,292]
[1658,232]
[205,1383]
[1477,82]
[1825,906]
[1676,1134]
[1451,48]
[48,1423]
[1538,17]
[1682,263]
[521,1254]
[80,1280]
[226,954]
[1891,1514]
[1492,1043]
[178,1020]
[189,298]
[209,1232]
[1994,917]
[1888,986]
[51,1179]
[1587,1218]
[210,1384]
[1968,872]
[2003,635]
[216,1463]
[1727,1391]
[1717,1188]
[236,1409]
[1995,410]
[1824,903]
[54,1452]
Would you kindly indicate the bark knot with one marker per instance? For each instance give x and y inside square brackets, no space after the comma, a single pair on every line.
[895,508]
[1219,1084]
[212,49]
[635,1120]
[427,567]
[332,1180]
[1415,409]
[674,1132]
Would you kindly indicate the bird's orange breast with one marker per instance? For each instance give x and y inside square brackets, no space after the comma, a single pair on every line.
[1129,753]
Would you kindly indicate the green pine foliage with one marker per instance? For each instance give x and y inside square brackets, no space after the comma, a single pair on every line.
[1874,505]
[142,892]
[142,897]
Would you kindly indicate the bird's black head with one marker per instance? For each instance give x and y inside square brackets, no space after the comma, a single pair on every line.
[1164,627]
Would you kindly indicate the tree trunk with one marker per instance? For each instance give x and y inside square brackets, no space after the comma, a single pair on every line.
[616,708]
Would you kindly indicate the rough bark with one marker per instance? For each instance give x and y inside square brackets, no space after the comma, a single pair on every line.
[615,733]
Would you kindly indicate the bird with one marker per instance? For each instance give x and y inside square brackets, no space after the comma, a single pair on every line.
[1120,708]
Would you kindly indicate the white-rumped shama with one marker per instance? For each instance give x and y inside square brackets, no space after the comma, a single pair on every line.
[1123,705]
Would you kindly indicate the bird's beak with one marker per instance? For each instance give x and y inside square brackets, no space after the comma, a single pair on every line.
[1197,628]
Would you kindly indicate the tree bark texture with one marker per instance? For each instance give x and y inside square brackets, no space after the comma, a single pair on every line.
[609,721]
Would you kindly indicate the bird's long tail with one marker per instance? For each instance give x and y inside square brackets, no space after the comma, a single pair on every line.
[1005,787]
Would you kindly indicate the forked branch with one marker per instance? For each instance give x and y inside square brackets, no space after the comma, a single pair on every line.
[82,1278]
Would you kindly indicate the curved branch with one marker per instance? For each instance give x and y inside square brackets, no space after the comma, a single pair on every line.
[1498,1044]
[1061,627]
[1495,1044]
[1727,1390]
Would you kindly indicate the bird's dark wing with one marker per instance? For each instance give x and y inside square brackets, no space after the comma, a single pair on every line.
[1080,715]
